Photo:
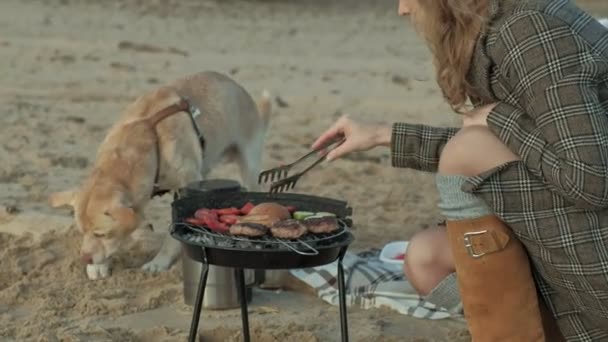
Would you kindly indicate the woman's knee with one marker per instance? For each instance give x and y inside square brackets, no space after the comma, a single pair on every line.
[426,249]
[428,260]
[473,150]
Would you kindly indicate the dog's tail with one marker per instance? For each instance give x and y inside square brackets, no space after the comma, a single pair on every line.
[265,106]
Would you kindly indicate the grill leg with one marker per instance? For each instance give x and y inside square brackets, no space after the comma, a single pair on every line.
[200,294]
[240,281]
[342,295]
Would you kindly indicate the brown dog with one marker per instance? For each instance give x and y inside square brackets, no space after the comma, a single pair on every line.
[157,143]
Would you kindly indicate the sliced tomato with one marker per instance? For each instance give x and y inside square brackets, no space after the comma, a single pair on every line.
[228,211]
[217,226]
[247,208]
[200,213]
[229,219]
[211,216]
[291,209]
[212,222]
[209,220]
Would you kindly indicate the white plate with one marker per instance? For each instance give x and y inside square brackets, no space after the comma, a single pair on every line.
[393,249]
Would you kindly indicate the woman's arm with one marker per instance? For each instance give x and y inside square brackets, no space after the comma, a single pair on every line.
[558,125]
[418,146]
[412,146]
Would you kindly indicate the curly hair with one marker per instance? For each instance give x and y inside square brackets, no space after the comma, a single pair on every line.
[451,28]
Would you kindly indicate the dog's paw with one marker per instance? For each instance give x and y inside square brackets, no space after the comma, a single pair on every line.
[98,271]
[157,265]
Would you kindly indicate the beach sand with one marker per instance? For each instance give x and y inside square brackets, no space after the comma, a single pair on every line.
[69,67]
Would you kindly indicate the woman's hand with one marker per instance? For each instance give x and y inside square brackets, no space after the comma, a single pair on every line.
[359,137]
[478,116]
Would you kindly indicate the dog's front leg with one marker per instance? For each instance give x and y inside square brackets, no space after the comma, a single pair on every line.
[188,172]
[168,253]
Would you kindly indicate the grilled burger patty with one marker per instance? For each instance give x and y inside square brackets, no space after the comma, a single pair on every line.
[320,225]
[248,229]
[288,229]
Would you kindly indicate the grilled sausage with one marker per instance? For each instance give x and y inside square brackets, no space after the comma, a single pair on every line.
[248,229]
[321,225]
[288,229]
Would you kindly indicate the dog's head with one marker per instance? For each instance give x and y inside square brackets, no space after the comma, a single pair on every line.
[105,217]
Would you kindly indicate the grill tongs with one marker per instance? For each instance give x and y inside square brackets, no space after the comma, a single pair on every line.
[283,184]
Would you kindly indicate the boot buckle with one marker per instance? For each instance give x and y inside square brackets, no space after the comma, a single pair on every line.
[468,243]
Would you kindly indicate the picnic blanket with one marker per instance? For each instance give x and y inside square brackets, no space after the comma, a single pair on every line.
[371,283]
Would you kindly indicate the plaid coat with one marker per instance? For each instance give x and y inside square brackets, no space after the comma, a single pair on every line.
[545,62]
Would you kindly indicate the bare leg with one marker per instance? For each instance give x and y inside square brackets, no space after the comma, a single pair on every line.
[472,151]
[428,260]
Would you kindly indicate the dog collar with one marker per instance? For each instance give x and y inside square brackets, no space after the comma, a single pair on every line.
[194,113]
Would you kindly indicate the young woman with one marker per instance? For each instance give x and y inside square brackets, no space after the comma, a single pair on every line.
[532,154]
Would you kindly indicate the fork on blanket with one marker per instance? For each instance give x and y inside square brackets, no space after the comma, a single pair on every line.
[284,183]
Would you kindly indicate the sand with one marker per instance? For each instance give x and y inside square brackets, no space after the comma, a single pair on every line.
[70,66]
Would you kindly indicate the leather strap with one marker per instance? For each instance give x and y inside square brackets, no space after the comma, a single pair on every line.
[485,242]
[183,105]
[194,112]
[175,108]
[483,235]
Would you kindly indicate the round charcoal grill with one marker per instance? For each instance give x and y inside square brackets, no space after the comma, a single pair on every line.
[267,252]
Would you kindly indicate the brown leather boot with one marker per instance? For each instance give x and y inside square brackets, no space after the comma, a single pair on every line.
[495,282]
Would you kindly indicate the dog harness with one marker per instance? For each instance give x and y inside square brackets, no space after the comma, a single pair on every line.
[193,112]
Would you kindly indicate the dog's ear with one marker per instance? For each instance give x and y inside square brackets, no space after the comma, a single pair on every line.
[125,216]
[63,198]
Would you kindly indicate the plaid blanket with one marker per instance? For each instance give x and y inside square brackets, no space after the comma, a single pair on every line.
[371,283]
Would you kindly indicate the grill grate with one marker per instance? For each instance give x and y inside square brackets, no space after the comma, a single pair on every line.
[307,244]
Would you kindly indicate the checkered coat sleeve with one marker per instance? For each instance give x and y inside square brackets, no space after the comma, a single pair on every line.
[418,146]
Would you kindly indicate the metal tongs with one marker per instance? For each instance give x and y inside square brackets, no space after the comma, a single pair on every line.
[279,173]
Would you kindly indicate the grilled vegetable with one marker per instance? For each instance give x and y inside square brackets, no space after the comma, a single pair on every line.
[323,214]
[300,215]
